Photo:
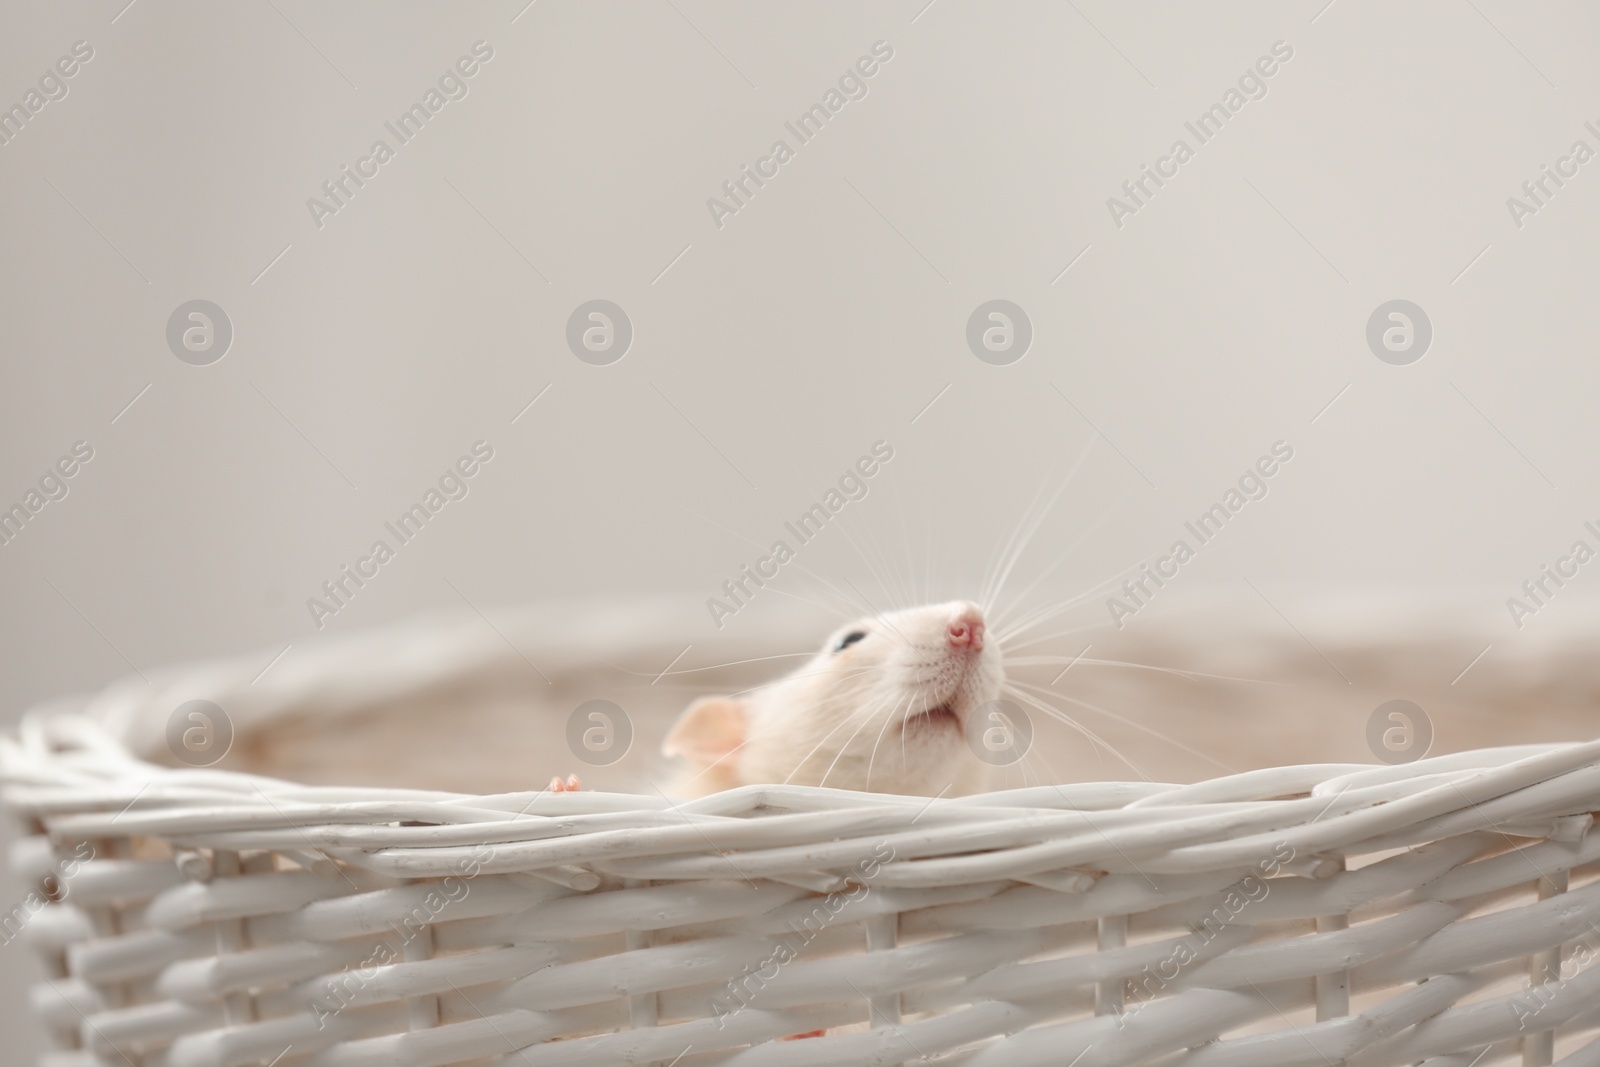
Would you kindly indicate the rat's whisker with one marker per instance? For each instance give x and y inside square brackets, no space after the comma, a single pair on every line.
[1047,638]
[1056,713]
[864,714]
[704,770]
[1014,543]
[1053,610]
[860,713]
[821,671]
[887,719]
[922,595]
[866,720]
[1040,661]
[1123,719]
[830,609]
[904,596]
[1045,614]
[1034,524]
[718,666]
[1001,614]
[763,548]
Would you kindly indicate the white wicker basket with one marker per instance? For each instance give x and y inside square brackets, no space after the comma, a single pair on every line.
[1441,912]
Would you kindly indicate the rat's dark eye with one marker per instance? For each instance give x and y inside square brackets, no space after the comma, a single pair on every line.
[849,639]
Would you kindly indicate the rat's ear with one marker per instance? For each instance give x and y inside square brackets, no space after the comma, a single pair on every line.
[708,731]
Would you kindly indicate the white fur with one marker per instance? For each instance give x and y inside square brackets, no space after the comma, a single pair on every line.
[850,719]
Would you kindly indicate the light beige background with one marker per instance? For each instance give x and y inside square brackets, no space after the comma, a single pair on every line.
[768,354]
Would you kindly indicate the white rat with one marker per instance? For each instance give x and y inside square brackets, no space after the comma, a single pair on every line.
[886,706]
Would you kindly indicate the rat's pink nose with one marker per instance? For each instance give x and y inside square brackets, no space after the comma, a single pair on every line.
[966,629]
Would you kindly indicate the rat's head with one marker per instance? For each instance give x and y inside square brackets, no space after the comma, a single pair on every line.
[885,705]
